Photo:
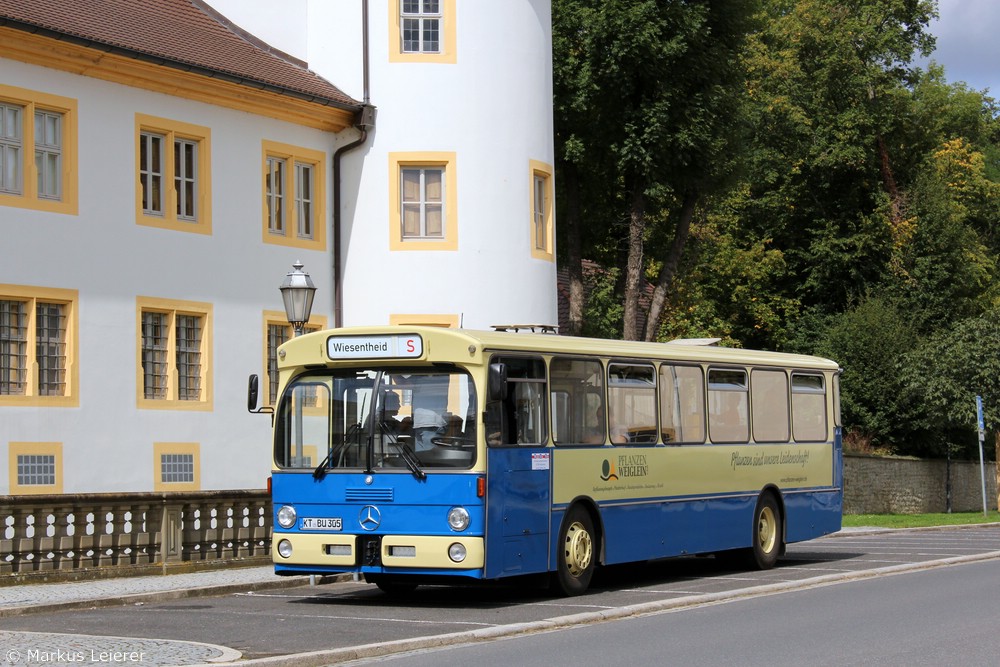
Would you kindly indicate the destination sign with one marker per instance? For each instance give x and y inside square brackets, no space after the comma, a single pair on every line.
[405,346]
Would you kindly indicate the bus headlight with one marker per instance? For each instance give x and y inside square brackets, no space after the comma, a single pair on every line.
[457,552]
[458,518]
[286,516]
[285,549]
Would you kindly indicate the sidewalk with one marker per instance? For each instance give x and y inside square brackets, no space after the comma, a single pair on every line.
[21,648]
[33,598]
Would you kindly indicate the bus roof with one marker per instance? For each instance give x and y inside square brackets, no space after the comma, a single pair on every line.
[469,347]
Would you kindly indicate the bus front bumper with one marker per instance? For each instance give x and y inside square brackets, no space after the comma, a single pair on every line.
[359,552]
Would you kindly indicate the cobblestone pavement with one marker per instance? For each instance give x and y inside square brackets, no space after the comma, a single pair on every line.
[26,649]
[33,649]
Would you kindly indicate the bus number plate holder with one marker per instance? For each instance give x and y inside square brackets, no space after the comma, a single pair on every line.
[314,523]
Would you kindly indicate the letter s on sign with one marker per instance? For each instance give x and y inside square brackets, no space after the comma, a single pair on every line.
[410,347]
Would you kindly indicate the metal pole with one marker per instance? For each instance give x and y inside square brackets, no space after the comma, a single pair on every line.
[982,436]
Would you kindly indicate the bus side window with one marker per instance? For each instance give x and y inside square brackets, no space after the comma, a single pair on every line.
[808,407]
[682,404]
[728,405]
[521,415]
[577,398]
[632,403]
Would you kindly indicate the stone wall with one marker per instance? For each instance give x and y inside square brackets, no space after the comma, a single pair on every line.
[876,485]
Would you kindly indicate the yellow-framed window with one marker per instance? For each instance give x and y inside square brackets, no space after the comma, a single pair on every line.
[542,212]
[35,468]
[422,31]
[294,196]
[173,188]
[423,201]
[277,330]
[38,151]
[176,466]
[38,346]
[173,354]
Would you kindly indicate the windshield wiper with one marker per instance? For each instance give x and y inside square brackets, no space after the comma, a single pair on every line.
[405,453]
[411,460]
[320,470]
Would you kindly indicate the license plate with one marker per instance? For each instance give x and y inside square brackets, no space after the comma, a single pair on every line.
[312,523]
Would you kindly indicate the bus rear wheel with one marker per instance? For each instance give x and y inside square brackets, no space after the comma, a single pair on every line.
[577,552]
[767,531]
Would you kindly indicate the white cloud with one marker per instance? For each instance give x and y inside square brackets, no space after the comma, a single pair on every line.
[967,43]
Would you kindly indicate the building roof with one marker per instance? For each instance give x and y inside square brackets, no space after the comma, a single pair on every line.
[182,34]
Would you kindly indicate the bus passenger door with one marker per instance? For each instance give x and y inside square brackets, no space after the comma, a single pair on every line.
[518,473]
[518,501]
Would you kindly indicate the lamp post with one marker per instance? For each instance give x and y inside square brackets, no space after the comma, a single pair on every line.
[297,291]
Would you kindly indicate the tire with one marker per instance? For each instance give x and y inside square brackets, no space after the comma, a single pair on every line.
[577,553]
[767,532]
[394,587]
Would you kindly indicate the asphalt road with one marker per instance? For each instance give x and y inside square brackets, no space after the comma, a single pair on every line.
[930,618]
[294,621]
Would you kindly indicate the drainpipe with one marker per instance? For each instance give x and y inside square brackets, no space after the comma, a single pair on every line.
[364,121]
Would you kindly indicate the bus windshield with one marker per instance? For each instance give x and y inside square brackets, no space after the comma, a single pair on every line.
[373,419]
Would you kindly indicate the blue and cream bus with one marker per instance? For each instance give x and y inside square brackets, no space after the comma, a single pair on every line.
[417,455]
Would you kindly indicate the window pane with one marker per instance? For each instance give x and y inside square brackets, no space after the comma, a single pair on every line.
[303,199]
[154,355]
[431,36]
[541,233]
[188,357]
[411,35]
[577,401]
[411,220]
[276,335]
[808,407]
[151,172]
[434,184]
[275,185]
[435,221]
[10,149]
[177,468]
[728,415]
[50,334]
[36,469]
[411,185]
[769,398]
[13,348]
[185,178]
[631,403]
[682,404]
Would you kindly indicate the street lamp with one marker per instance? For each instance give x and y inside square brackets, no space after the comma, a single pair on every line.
[297,291]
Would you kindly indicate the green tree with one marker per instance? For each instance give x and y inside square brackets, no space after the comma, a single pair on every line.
[869,342]
[941,378]
[648,92]
[828,79]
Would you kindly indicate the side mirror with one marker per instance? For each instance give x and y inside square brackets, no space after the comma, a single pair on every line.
[496,384]
[253,396]
[253,388]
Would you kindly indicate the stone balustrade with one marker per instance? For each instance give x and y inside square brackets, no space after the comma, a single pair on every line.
[131,533]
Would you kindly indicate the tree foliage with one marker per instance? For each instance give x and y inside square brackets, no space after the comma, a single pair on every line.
[780,174]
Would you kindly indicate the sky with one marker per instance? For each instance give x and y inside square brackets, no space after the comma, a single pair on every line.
[968,44]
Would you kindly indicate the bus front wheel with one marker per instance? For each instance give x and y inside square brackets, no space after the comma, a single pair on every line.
[577,552]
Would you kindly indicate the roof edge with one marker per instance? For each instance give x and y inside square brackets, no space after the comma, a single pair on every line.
[42,31]
[243,34]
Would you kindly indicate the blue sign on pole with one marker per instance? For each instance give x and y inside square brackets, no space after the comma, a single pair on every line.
[979,413]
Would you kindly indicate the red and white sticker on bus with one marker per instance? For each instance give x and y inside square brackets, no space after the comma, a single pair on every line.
[405,346]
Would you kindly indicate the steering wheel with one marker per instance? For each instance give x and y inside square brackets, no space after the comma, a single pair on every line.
[451,441]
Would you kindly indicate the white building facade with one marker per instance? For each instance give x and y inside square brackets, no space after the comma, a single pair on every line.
[142,247]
